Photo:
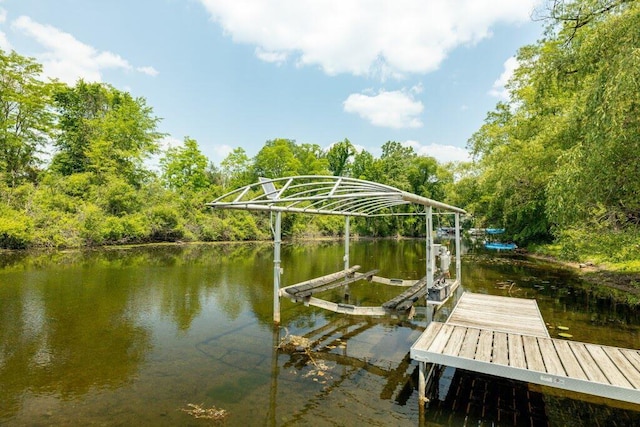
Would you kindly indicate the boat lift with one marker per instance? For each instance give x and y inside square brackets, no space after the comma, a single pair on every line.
[348,197]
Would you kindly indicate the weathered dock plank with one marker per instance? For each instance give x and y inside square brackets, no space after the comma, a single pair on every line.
[418,290]
[516,352]
[552,361]
[627,369]
[569,362]
[299,288]
[500,349]
[470,344]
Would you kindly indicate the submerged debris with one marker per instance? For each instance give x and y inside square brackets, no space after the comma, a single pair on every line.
[213,413]
[294,343]
[319,370]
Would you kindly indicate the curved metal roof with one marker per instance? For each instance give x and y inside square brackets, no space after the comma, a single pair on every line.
[320,194]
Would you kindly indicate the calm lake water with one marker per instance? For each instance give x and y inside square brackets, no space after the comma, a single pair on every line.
[132,336]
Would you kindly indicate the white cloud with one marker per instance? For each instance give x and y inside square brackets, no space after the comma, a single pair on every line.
[67,58]
[4,42]
[266,56]
[442,153]
[150,71]
[395,109]
[499,90]
[363,37]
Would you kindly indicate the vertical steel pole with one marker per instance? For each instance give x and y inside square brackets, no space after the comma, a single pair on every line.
[276,269]
[430,257]
[346,243]
[458,251]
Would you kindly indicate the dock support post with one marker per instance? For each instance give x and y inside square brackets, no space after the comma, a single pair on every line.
[346,243]
[430,254]
[277,271]
[422,383]
[458,251]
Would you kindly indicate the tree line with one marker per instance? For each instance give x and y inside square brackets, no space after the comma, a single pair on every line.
[73,171]
[560,160]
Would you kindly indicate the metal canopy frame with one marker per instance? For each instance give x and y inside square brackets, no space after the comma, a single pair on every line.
[327,195]
[334,195]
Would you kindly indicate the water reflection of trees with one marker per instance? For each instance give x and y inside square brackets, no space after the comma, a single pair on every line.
[67,333]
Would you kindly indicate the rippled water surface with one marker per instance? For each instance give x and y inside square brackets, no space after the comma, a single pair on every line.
[132,336]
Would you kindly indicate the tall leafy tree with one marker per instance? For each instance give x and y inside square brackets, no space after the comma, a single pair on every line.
[277,159]
[236,169]
[104,131]
[395,162]
[312,159]
[25,117]
[184,168]
[339,157]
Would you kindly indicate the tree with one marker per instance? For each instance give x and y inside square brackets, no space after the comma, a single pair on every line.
[185,168]
[277,159]
[395,161]
[103,131]
[427,178]
[338,157]
[312,159]
[236,169]
[25,118]
[365,166]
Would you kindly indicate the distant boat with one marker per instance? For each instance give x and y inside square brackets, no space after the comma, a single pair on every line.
[494,230]
[500,246]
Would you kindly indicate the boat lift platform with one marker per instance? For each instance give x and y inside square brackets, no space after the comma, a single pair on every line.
[349,197]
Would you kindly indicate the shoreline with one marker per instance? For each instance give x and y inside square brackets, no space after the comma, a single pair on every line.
[602,279]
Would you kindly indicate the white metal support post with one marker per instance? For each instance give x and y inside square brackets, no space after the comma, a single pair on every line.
[346,243]
[347,290]
[276,269]
[430,254]
[458,251]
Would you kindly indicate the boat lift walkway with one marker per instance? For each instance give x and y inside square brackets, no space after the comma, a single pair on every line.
[507,337]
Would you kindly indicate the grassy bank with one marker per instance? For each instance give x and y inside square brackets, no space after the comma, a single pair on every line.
[609,262]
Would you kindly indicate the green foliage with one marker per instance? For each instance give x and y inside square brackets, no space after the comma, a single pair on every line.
[117,197]
[366,167]
[563,153]
[25,119]
[166,224]
[277,159]
[236,169]
[185,168]
[15,229]
[619,249]
[394,163]
[338,157]
[312,160]
[125,229]
[104,131]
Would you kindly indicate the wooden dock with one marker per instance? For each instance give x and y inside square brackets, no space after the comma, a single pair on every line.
[501,314]
[507,337]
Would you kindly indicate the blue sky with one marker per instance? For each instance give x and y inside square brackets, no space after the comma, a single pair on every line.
[236,73]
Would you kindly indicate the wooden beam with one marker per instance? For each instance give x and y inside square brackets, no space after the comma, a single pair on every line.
[318,281]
